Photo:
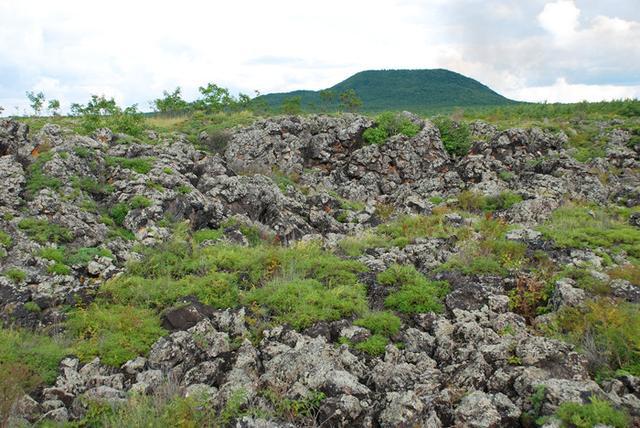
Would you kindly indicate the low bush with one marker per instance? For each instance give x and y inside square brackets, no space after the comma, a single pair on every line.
[383,323]
[139,202]
[37,179]
[414,294]
[456,136]
[374,345]
[139,165]
[389,124]
[41,354]
[575,226]
[628,272]
[14,274]
[115,333]
[303,302]
[472,201]
[608,333]
[45,232]
[530,297]
[596,413]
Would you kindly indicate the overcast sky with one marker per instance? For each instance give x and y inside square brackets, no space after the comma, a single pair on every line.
[534,50]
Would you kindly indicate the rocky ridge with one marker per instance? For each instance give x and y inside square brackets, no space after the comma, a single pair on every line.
[300,179]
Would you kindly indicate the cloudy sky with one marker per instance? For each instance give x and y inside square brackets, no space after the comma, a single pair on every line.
[535,50]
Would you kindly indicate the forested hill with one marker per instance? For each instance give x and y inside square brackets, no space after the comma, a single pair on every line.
[415,90]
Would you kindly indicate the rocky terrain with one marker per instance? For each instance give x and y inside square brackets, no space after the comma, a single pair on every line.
[300,277]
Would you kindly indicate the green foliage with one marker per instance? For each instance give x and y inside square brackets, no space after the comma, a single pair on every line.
[389,124]
[101,112]
[596,413]
[139,202]
[203,235]
[373,345]
[15,274]
[53,107]
[37,179]
[37,101]
[293,410]
[83,152]
[40,353]
[628,272]
[139,165]
[349,100]
[118,212]
[302,302]
[171,102]
[415,294]
[455,136]
[291,105]
[214,98]
[472,201]
[32,306]
[115,333]
[5,240]
[607,332]
[82,256]
[59,269]
[382,323]
[576,226]
[44,232]
[91,186]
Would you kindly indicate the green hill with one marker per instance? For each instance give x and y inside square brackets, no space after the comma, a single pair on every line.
[415,90]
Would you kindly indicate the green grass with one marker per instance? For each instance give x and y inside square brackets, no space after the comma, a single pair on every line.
[44,232]
[374,345]
[39,352]
[607,331]
[476,202]
[115,333]
[5,240]
[139,165]
[37,179]
[382,323]
[14,274]
[389,124]
[414,293]
[303,302]
[576,226]
[455,136]
[139,202]
[597,412]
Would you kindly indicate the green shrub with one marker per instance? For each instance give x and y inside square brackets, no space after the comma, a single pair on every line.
[118,212]
[52,253]
[303,302]
[40,353]
[389,124]
[83,152]
[596,413]
[32,306]
[37,179]
[382,323]
[139,165]
[59,269]
[575,226]
[5,240]
[15,274]
[415,293]
[139,202]
[101,112]
[456,136]
[82,256]
[202,235]
[44,232]
[115,333]
[91,186]
[472,201]
[607,332]
[374,345]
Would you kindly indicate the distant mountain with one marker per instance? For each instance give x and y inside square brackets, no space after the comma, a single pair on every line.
[415,90]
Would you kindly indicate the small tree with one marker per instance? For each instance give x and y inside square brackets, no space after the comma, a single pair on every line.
[350,101]
[37,101]
[171,102]
[292,105]
[214,98]
[327,97]
[53,107]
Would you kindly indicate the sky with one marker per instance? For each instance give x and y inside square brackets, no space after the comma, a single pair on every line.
[132,50]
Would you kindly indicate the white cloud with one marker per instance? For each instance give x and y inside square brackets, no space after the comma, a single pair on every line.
[562,91]
[560,18]
[132,50]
